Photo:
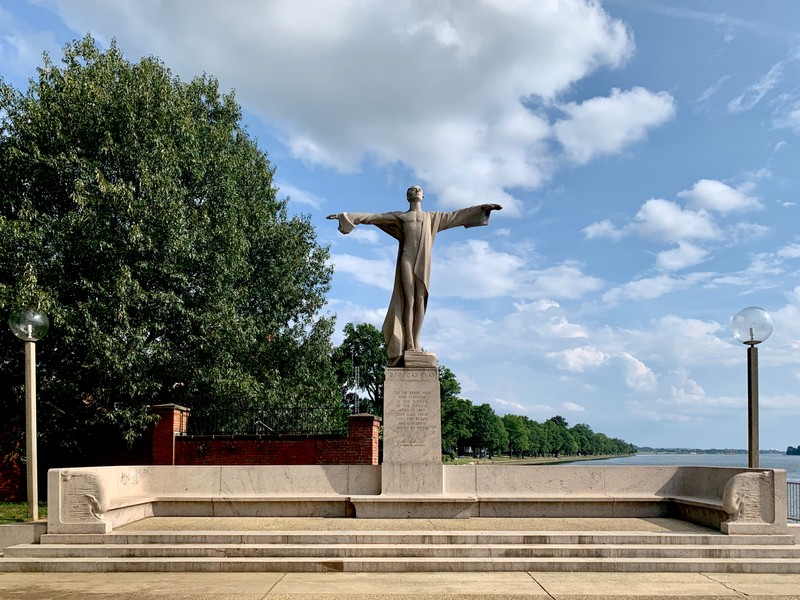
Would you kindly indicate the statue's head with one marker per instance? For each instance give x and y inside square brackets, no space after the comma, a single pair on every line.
[414,192]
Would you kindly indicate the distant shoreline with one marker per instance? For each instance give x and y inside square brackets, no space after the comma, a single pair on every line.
[534,460]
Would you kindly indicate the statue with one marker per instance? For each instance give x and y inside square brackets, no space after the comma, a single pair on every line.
[415,229]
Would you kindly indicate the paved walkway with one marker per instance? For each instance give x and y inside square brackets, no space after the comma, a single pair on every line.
[396,586]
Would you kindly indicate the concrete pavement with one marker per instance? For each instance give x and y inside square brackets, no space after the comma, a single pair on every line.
[396,586]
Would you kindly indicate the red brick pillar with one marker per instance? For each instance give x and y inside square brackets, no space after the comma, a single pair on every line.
[172,421]
[362,437]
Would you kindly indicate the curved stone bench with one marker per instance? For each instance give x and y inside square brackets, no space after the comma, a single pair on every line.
[97,499]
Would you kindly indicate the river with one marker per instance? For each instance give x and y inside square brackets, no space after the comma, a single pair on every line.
[791,464]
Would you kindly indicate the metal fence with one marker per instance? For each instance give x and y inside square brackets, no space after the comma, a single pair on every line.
[293,418]
[793,501]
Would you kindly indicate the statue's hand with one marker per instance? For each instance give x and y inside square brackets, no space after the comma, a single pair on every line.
[491,207]
[334,216]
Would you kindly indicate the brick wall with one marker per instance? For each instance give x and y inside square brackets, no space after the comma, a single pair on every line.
[172,447]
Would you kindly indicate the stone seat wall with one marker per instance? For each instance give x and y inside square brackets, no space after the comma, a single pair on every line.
[95,500]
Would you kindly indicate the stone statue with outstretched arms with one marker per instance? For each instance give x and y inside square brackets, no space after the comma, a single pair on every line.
[415,230]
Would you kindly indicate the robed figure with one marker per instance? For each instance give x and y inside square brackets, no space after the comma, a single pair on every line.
[415,231]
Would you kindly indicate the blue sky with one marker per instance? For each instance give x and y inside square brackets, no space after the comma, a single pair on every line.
[645,153]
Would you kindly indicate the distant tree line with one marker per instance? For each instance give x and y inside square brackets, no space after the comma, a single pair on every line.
[479,431]
[466,428]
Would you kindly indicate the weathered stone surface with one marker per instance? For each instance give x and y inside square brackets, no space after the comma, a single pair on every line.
[412,437]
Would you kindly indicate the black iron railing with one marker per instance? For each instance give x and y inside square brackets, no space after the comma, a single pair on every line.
[793,501]
[291,418]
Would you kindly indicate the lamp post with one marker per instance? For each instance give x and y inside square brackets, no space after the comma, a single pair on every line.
[30,325]
[751,326]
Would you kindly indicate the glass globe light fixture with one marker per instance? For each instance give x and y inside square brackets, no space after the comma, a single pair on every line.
[29,324]
[751,325]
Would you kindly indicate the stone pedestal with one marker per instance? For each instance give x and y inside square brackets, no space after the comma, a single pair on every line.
[412,434]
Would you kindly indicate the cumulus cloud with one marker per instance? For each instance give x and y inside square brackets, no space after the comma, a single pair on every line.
[475,269]
[685,255]
[665,220]
[579,359]
[443,88]
[602,229]
[369,271]
[638,376]
[572,407]
[606,125]
[709,194]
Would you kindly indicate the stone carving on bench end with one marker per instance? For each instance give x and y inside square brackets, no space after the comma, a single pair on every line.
[83,497]
[750,500]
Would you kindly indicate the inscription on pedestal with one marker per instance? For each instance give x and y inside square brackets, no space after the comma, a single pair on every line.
[412,416]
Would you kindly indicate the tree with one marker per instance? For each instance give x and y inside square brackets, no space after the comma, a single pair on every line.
[518,439]
[360,362]
[136,210]
[585,438]
[488,433]
[559,437]
[456,412]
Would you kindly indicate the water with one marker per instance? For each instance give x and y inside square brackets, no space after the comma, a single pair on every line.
[791,464]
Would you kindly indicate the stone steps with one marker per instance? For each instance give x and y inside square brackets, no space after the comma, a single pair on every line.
[402,551]
[361,565]
[415,537]
[456,551]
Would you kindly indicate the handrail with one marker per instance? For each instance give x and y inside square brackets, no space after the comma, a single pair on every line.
[793,501]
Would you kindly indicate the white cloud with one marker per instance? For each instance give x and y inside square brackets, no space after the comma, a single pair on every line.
[790,119]
[650,288]
[638,376]
[438,87]
[579,359]
[790,251]
[374,272]
[606,125]
[712,90]
[664,220]
[504,403]
[686,390]
[685,255]
[563,281]
[602,229]
[366,235]
[709,194]
[474,269]
[572,407]
[753,94]
[300,196]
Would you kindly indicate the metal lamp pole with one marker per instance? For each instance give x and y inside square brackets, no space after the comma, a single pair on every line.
[751,326]
[30,325]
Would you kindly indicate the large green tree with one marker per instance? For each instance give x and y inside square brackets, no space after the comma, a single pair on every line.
[137,211]
[360,363]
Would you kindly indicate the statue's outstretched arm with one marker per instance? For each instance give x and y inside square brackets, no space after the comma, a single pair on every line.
[348,221]
[474,216]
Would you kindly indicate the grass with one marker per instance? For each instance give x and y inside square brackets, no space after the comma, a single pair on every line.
[17,512]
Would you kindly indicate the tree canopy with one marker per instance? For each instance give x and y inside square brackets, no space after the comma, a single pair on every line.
[139,214]
[360,363]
